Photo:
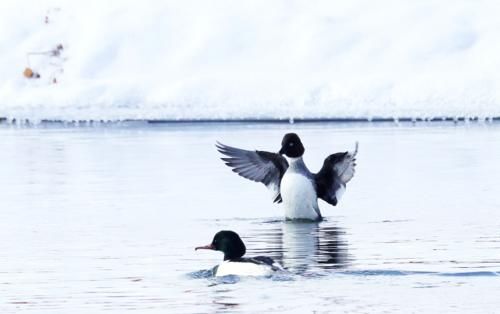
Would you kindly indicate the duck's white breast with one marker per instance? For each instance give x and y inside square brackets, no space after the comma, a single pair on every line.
[299,196]
[243,269]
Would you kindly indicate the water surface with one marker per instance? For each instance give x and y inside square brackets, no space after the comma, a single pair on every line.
[106,218]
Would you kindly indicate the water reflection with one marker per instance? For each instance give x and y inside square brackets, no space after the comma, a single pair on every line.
[223,301]
[301,247]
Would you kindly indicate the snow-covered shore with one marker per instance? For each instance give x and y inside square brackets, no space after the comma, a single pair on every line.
[261,60]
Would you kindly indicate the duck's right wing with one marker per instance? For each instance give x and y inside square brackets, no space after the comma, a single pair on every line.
[258,166]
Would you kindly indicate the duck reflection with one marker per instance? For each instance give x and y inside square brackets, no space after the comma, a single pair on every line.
[303,246]
[309,245]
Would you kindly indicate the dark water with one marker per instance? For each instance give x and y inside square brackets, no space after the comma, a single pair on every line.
[106,219]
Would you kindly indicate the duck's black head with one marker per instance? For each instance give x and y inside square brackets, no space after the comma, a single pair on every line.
[228,242]
[291,146]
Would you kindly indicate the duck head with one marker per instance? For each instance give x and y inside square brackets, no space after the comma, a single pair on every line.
[291,146]
[228,242]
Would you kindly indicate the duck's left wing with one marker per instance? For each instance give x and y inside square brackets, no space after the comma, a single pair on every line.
[259,166]
[337,170]
[267,261]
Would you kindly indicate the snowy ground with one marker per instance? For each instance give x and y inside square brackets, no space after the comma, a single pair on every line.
[233,60]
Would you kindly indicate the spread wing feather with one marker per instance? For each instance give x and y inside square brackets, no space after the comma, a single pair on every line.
[259,166]
[337,170]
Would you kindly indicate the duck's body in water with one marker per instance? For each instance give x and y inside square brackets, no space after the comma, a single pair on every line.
[230,243]
[290,180]
[298,192]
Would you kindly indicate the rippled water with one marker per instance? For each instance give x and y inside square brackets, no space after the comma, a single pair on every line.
[106,218]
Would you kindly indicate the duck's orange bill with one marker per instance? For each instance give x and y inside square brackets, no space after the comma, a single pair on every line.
[205,247]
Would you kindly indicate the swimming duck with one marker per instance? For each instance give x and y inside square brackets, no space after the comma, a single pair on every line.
[230,243]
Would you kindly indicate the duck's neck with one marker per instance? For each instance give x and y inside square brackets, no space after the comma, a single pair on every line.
[297,164]
[231,257]
[234,254]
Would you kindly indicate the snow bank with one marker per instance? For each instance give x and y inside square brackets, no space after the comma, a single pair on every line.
[255,59]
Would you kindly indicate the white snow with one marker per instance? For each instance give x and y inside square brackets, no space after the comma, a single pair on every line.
[258,59]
